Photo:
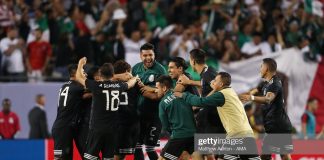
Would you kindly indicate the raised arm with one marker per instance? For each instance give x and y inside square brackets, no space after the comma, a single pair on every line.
[184,80]
[80,76]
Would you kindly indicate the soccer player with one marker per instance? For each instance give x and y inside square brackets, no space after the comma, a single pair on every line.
[128,124]
[177,118]
[104,115]
[275,117]
[231,112]
[309,120]
[208,120]
[64,127]
[85,112]
[177,67]
[148,70]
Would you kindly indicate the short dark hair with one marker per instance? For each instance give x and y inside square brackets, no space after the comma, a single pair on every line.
[107,70]
[147,46]
[72,68]
[121,66]
[165,80]
[179,62]
[198,55]
[38,96]
[6,101]
[226,78]
[92,71]
[311,99]
[271,63]
[38,29]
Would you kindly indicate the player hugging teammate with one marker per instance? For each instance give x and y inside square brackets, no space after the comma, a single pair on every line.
[118,110]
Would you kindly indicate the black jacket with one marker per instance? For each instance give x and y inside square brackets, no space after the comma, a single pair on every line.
[38,124]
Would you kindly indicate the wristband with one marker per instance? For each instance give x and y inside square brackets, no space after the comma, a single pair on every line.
[252,97]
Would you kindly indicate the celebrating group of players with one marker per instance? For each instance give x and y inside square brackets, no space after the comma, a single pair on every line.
[116,110]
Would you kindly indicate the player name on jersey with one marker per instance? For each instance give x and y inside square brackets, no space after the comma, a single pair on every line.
[116,85]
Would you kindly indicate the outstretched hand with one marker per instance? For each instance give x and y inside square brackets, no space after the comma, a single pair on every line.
[183,79]
[83,61]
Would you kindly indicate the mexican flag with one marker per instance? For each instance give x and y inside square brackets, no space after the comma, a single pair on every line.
[305,79]
[314,7]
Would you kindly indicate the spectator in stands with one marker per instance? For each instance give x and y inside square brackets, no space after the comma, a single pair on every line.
[309,120]
[39,21]
[293,34]
[13,50]
[37,120]
[9,121]
[271,45]
[253,48]
[184,44]
[231,52]
[38,57]
[132,44]
[7,16]
[153,14]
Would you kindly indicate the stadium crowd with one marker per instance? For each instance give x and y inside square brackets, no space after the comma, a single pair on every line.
[40,38]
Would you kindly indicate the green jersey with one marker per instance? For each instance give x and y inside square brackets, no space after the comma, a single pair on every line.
[176,116]
[147,107]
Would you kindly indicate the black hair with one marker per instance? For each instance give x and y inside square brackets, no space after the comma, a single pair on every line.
[92,71]
[226,78]
[121,66]
[165,80]
[107,70]
[147,46]
[311,99]
[72,68]
[271,63]
[6,101]
[180,62]
[198,55]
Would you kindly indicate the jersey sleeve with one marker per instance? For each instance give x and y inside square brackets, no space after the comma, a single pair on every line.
[215,100]
[304,118]
[273,88]
[90,84]
[123,86]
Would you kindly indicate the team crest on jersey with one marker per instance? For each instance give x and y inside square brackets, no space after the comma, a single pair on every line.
[151,78]
[11,120]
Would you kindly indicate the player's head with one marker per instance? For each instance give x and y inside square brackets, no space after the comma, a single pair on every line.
[197,57]
[312,104]
[121,67]
[269,66]
[6,105]
[222,80]
[93,73]
[163,84]
[177,66]
[106,71]
[72,68]
[40,99]
[147,54]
